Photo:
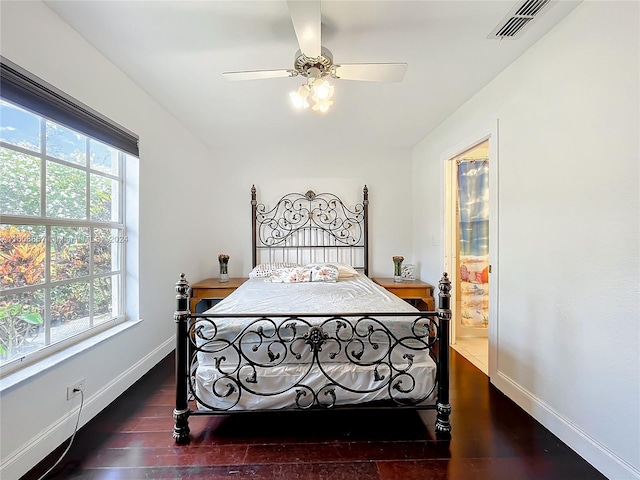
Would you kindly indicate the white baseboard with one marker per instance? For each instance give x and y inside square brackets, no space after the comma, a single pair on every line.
[589,448]
[41,445]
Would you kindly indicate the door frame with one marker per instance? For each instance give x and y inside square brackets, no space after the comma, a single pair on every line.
[490,134]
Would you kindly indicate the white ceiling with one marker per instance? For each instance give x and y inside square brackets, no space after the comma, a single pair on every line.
[177,51]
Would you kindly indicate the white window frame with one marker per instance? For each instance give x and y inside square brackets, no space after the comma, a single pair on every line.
[120,274]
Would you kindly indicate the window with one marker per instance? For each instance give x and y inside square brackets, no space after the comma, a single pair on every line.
[62,231]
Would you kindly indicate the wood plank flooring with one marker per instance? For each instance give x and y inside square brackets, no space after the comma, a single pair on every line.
[492,439]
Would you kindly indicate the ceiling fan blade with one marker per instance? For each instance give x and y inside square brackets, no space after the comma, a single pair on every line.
[258,74]
[371,72]
[306,19]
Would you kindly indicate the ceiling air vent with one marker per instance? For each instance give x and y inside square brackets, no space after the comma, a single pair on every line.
[518,18]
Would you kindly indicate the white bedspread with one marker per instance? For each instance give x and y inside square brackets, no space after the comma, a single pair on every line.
[357,294]
[351,295]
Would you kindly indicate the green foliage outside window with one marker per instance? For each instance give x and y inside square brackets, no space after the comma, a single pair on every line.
[23,248]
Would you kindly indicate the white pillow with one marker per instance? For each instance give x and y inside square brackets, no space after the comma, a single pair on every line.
[344,269]
[265,269]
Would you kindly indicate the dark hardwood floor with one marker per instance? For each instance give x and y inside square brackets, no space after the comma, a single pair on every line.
[492,439]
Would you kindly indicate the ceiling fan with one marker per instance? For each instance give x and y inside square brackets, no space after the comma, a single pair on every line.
[315,62]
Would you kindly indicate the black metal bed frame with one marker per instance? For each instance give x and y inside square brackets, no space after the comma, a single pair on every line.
[271,340]
[313,223]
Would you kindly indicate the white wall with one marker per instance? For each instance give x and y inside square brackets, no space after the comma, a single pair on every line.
[568,301]
[36,417]
[277,171]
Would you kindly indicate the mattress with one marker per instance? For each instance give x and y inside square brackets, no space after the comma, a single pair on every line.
[269,363]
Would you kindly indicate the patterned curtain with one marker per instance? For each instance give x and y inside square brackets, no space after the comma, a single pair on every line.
[473,205]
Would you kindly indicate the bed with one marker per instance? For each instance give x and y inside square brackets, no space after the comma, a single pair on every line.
[309,329]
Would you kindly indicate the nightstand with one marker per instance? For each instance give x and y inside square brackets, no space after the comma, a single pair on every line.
[212,289]
[419,294]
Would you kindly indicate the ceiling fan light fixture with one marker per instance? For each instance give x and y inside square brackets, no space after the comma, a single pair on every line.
[298,101]
[304,91]
[321,105]
[316,92]
[322,89]
[300,96]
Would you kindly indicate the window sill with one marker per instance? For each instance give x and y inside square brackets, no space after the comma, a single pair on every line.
[14,380]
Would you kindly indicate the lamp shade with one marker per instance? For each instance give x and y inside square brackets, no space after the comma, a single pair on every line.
[323,90]
[299,97]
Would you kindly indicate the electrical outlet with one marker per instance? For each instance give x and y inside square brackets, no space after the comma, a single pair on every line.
[74,389]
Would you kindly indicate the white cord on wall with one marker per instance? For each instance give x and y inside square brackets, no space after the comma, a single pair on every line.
[75,430]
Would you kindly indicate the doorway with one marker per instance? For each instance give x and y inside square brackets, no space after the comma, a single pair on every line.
[467,240]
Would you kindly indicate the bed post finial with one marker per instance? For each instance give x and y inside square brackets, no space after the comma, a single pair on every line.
[443,408]
[182,297]
[444,297]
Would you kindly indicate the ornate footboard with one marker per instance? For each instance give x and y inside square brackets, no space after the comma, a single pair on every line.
[225,374]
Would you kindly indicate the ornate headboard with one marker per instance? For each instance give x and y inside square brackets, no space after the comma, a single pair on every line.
[310,227]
